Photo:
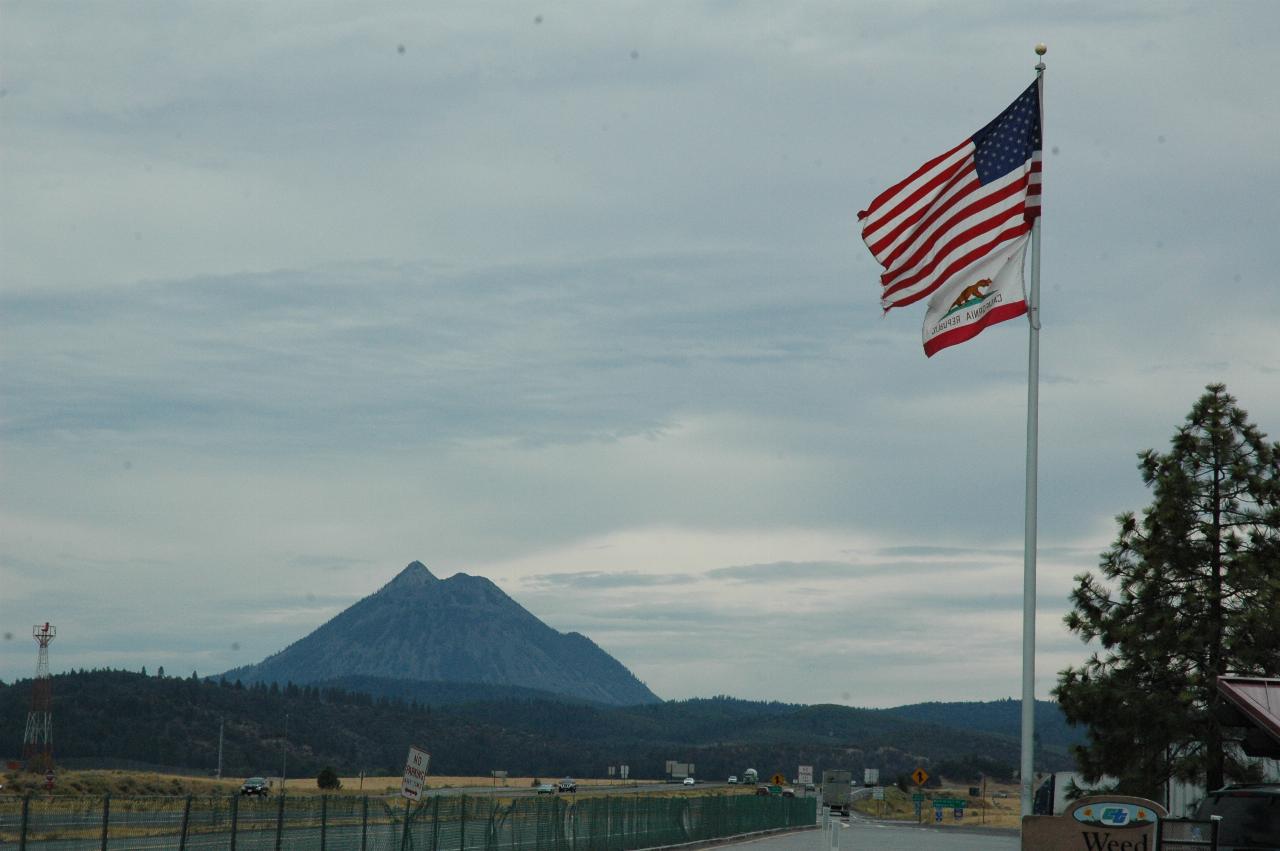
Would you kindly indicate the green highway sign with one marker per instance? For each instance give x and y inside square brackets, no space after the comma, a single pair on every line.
[949,803]
[918,797]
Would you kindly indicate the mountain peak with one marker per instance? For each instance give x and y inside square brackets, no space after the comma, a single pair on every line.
[415,575]
[463,629]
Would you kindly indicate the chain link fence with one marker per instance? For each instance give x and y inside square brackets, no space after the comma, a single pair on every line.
[346,823]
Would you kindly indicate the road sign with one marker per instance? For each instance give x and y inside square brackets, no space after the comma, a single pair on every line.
[920,777]
[805,774]
[870,776]
[917,797]
[878,793]
[415,773]
[612,770]
[958,813]
[778,780]
[953,803]
[625,770]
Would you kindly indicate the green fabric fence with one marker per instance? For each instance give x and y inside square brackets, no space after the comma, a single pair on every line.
[347,823]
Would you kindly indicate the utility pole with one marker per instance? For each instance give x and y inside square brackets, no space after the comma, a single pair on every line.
[221,723]
[284,754]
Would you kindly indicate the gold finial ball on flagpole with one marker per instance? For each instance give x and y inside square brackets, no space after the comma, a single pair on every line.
[1042,49]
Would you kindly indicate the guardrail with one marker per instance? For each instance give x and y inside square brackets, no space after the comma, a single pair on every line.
[347,823]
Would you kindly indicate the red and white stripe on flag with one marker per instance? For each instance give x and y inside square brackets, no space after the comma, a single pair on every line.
[959,207]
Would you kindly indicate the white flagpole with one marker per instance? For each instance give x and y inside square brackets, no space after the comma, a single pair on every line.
[1027,773]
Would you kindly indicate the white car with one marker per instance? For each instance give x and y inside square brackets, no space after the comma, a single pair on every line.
[733,779]
[689,781]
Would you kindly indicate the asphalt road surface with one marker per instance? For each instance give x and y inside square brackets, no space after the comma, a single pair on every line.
[876,836]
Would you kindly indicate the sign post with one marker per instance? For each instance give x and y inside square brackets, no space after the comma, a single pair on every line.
[415,773]
[415,777]
[805,775]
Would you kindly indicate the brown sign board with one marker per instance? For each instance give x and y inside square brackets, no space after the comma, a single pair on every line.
[1096,823]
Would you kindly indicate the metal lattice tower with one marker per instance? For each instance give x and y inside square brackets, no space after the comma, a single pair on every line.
[37,741]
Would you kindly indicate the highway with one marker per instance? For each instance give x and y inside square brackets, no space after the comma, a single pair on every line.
[866,835]
[621,789]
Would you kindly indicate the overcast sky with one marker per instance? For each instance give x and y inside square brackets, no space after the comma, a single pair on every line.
[571,295]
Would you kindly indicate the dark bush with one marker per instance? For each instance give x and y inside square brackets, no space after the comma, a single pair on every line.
[328,779]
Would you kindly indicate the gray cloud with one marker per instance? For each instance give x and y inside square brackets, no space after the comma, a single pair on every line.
[594,579]
[784,571]
[285,308]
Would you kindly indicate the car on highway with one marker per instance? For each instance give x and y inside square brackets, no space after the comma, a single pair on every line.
[546,789]
[1249,813]
[763,791]
[689,781]
[568,785]
[733,780]
[256,787]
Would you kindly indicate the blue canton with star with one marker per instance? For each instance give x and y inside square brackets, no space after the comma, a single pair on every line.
[1008,142]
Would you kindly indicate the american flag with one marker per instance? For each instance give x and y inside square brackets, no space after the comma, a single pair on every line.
[959,207]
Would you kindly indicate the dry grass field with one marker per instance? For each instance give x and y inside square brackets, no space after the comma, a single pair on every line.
[991,811]
[120,783]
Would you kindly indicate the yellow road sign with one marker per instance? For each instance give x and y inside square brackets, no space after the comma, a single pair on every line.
[778,780]
[920,776]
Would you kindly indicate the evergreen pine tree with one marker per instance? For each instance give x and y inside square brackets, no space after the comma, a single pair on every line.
[1188,593]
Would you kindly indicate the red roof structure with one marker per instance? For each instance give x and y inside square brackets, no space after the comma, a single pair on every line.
[1258,700]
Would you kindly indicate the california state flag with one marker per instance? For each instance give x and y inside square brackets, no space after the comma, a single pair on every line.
[989,292]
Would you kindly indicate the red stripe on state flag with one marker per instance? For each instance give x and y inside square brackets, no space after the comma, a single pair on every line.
[994,316]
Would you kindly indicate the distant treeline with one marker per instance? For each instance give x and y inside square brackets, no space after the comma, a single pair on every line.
[105,717]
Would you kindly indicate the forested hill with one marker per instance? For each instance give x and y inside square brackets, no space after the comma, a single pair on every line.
[996,716]
[106,718]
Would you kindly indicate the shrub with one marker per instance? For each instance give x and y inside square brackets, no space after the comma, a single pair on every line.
[328,779]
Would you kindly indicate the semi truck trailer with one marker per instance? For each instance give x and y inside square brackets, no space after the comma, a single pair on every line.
[837,790]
